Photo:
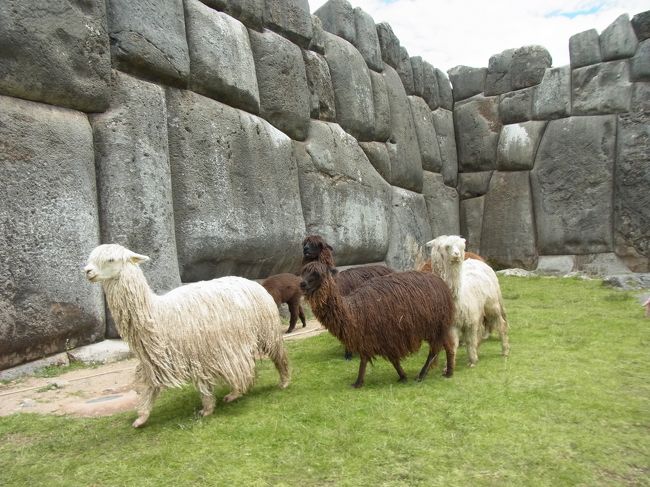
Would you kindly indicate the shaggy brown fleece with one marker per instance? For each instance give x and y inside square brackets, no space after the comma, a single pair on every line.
[285,288]
[389,316]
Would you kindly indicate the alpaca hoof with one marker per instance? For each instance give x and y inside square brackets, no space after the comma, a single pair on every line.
[206,412]
[139,422]
[231,397]
[284,384]
[471,365]
[289,331]
[347,356]
[447,374]
[403,380]
[356,385]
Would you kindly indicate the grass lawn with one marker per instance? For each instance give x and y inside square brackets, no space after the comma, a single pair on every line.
[571,406]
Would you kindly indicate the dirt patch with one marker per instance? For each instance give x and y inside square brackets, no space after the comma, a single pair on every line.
[101,391]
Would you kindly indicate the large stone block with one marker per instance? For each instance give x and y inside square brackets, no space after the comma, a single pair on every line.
[518,145]
[49,226]
[445,94]
[477,126]
[641,25]
[317,43]
[389,44]
[467,81]
[337,17]
[618,40]
[473,184]
[148,39]
[282,81]
[409,229]
[417,65]
[221,57]
[528,66]
[443,205]
[291,18]
[498,79]
[321,91]
[378,155]
[552,98]
[584,48]
[602,88]
[367,40]
[343,198]
[471,222]
[352,88]
[236,191]
[517,106]
[406,162]
[443,122]
[55,52]
[134,179]
[508,234]
[381,107]
[426,133]
[248,12]
[640,64]
[405,71]
[641,97]
[632,191]
[572,185]
[430,86]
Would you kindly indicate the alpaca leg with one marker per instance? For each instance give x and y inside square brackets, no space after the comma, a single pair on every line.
[293,311]
[208,402]
[454,340]
[450,347]
[362,373]
[230,397]
[347,355]
[281,362]
[431,358]
[400,370]
[472,345]
[301,315]
[503,332]
[149,394]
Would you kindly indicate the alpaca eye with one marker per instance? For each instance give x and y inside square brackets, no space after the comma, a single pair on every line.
[111,260]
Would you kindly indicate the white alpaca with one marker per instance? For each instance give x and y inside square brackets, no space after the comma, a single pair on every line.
[205,333]
[477,295]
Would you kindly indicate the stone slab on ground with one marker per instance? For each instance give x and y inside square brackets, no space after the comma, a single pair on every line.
[103,352]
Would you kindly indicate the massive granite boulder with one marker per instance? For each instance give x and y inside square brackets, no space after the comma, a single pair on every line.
[443,122]
[640,64]
[632,191]
[473,184]
[337,17]
[343,198]
[641,25]
[148,39]
[518,145]
[49,226]
[291,18]
[584,49]
[282,81]
[352,88]
[445,95]
[443,205]
[508,234]
[55,52]
[321,91]
[528,65]
[381,106]
[221,57]
[405,70]
[417,66]
[379,156]
[406,162]
[602,88]
[248,12]
[477,127]
[466,81]
[430,91]
[235,188]
[572,185]
[426,133]
[471,222]
[552,98]
[517,106]
[367,40]
[618,40]
[389,45]
[498,79]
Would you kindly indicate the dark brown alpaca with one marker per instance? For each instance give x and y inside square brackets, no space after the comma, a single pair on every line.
[426,266]
[314,248]
[389,316]
[285,288]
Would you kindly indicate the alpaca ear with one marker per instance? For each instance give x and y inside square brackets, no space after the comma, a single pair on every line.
[329,247]
[333,270]
[137,258]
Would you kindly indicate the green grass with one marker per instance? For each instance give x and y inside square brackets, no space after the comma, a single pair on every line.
[571,406]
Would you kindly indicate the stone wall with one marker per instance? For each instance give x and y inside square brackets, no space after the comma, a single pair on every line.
[214,135]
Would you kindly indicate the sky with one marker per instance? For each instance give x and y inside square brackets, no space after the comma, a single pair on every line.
[449,33]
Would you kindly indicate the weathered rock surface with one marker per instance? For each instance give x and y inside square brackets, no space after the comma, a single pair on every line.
[632,191]
[389,44]
[518,145]
[573,201]
[317,43]
[602,88]
[426,133]
[430,86]
[406,162]
[55,52]
[405,71]
[517,106]
[231,218]
[343,198]
[291,18]
[498,79]
[528,66]
[410,229]
[584,49]
[381,105]
[471,222]
[282,82]
[477,127]
[466,81]
[552,98]
[378,155]
[321,91]
[641,25]
[445,95]
[417,66]
[508,234]
[248,12]
[352,88]
[221,57]
[148,39]
[337,17]
[641,97]
[473,184]
[618,40]
[367,40]
[443,122]
[49,226]
[640,64]
[443,205]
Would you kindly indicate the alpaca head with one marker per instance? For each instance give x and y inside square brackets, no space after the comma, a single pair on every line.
[107,262]
[313,246]
[447,249]
[314,274]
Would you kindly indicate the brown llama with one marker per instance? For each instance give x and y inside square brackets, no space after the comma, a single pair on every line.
[315,248]
[426,266]
[285,288]
[389,316]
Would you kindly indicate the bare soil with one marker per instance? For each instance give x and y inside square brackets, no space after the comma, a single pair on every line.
[90,392]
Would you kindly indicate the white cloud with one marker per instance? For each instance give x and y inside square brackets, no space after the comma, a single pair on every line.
[448,33]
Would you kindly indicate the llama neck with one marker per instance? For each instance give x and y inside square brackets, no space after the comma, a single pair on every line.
[451,274]
[331,309]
